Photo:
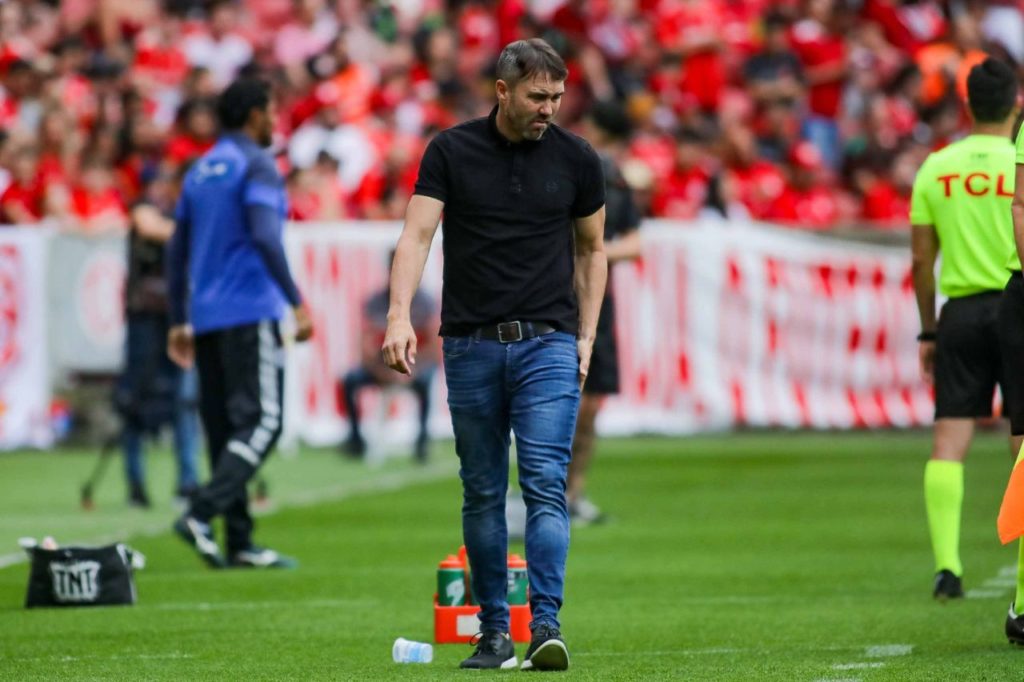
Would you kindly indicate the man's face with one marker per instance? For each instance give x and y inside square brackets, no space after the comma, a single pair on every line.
[264,124]
[530,107]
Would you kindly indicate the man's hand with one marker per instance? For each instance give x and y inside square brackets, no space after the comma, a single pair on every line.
[584,348]
[926,354]
[399,347]
[181,345]
[303,323]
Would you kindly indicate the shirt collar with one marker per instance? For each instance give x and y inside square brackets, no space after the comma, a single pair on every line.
[492,125]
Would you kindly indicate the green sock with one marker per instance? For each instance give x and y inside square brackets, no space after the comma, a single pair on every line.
[1018,602]
[943,494]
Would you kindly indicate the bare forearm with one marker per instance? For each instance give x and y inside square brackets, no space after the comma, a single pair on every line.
[591,279]
[406,272]
[623,248]
[924,291]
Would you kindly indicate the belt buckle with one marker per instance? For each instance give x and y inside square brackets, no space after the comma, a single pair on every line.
[509,332]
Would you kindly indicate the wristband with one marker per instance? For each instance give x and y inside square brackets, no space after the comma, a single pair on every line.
[926,336]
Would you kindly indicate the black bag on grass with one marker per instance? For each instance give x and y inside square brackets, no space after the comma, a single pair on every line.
[81,576]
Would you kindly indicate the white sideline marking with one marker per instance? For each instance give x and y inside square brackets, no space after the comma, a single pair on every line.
[249,606]
[838,679]
[997,587]
[858,666]
[985,594]
[887,650]
[386,483]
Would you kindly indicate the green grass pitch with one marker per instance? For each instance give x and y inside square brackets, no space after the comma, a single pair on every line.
[758,556]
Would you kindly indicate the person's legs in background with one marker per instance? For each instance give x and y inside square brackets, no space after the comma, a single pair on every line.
[186,434]
[353,382]
[134,469]
[581,509]
[421,384]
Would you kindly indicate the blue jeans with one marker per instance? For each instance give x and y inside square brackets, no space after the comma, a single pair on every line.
[532,388]
[186,437]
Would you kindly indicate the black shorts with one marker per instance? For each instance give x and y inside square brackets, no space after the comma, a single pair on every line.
[1011,340]
[968,362]
[603,375]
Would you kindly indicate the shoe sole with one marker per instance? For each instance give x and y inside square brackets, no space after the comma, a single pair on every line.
[185,533]
[551,655]
[509,664]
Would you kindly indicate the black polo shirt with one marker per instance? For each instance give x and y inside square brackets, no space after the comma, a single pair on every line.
[508,222]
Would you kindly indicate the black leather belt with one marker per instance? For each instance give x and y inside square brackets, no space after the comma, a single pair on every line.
[509,332]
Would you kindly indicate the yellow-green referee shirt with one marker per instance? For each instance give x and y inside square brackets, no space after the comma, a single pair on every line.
[964,192]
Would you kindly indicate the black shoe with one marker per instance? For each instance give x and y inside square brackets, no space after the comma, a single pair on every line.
[422,450]
[200,537]
[493,650]
[547,650]
[947,586]
[137,496]
[1014,627]
[260,557]
[354,447]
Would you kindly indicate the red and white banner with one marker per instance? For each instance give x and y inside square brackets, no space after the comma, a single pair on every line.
[722,326]
[24,373]
[719,325]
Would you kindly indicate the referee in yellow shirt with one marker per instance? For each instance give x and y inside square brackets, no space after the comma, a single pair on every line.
[961,205]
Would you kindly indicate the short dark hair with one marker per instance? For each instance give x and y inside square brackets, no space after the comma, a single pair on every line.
[991,91]
[526,58]
[240,98]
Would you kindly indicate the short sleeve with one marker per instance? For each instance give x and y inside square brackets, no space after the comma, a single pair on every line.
[263,184]
[1020,145]
[433,177]
[920,211]
[590,191]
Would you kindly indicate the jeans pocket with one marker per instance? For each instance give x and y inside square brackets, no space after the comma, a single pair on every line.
[560,339]
[455,346]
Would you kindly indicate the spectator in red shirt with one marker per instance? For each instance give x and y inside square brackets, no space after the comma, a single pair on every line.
[22,203]
[757,183]
[95,202]
[774,72]
[822,51]
[198,132]
[684,192]
[808,201]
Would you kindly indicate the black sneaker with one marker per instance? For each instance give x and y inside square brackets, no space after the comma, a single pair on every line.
[494,649]
[354,447]
[138,497]
[421,452]
[947,586]
[1014,627]
[200,537]
[260,557]
[547,650]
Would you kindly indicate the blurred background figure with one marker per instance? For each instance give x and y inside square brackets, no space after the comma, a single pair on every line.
[607,127]
[152,390]
[372,371]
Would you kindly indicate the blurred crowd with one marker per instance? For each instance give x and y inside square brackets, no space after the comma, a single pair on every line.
[814,113]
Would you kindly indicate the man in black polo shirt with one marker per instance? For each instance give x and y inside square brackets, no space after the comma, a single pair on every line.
[524,276]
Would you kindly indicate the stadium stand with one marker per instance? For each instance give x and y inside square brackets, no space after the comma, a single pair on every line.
[812,113]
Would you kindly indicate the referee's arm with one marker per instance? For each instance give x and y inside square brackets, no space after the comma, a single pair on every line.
[924,246]
[1017,209]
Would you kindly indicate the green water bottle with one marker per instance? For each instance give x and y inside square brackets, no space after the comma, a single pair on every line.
[451,583]
[518,582]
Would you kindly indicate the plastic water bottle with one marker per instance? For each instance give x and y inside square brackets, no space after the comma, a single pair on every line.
[407,651]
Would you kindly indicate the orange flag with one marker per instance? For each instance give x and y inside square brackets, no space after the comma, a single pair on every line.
[1011,513]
